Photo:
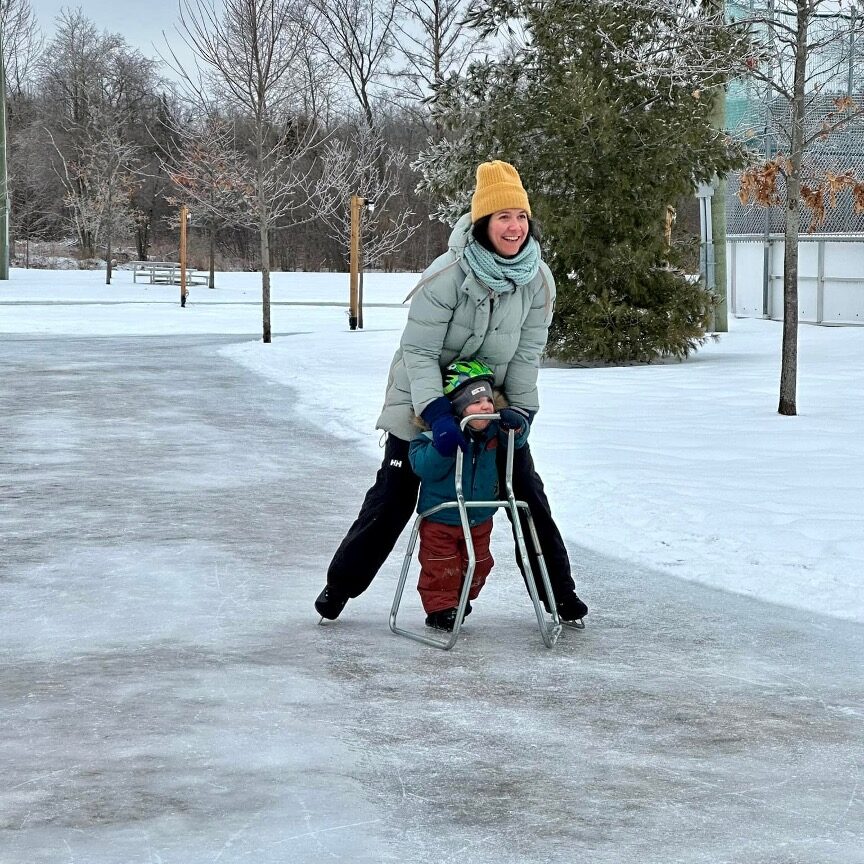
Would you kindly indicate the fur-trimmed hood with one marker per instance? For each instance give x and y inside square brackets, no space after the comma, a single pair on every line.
[499,402]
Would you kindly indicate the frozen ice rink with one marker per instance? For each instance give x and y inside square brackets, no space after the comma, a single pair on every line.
[167,697]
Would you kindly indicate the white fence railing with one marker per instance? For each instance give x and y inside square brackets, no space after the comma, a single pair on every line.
[830,277]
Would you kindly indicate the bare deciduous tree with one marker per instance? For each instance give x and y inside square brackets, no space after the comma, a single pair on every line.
[96,95]
[248,51]
[85,71]
[433,40]
[98,181]
[210,172]
[321,92]
[21,43]
[805,51]
[366,166]
[357,37]
[151,197]
[29,180]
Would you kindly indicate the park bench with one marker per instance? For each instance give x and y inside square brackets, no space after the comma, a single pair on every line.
[166,273]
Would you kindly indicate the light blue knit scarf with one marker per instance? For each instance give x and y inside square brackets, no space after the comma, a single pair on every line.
[500,273]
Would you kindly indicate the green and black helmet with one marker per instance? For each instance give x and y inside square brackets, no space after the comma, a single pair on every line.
[458,374]
[467,381]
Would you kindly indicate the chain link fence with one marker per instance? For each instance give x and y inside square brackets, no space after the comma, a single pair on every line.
[760,118]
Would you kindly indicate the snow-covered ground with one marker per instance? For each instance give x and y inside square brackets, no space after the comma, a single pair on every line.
[685,467]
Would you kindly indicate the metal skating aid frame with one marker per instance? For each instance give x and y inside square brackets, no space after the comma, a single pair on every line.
[549,630]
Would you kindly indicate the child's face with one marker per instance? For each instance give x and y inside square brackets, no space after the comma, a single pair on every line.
[482,406]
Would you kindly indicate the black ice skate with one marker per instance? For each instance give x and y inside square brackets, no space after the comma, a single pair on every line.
[571,610]
[330,603]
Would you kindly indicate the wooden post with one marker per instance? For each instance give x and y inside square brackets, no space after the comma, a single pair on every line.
[360,268]
[184,215]
[354,278]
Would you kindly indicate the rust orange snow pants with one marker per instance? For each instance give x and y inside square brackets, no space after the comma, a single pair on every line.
[444,560]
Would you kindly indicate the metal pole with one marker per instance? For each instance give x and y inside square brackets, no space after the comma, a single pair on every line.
[711,278]
[733,277]
[721,273]
[718,212]
[820,281]
[766,253]
[705,192]
[353,287]
[4,186]
[718,228]
[184,215]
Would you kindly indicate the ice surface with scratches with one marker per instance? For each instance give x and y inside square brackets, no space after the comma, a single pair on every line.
[686,467]
[171,491]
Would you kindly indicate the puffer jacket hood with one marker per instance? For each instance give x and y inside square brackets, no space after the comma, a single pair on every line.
[460,235]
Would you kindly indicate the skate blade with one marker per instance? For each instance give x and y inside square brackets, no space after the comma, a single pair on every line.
[578,624]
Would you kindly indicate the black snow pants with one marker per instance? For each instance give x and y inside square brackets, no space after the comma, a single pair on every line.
[391,501]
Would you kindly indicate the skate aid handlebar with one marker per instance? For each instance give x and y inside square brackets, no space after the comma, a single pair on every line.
[469,417]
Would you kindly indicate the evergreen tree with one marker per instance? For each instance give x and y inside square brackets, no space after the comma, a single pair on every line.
[595,104]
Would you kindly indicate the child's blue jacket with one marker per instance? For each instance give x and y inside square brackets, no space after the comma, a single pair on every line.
[437,473]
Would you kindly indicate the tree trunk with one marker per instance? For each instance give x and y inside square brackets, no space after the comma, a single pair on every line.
[142,236]
[263,226]
[211,280]
[265,282]
[87,243]
[108,243]
[789,357]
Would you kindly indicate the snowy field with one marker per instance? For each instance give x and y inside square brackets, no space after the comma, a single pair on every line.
[684,467]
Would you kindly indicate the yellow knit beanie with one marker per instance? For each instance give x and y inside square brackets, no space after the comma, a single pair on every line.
[498,188]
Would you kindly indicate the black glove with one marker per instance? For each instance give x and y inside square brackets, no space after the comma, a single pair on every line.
[514,418]
[446,434]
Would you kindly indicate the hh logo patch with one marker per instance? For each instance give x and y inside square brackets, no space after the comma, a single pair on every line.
[395,463]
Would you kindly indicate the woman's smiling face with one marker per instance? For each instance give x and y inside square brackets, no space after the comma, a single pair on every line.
[507,231]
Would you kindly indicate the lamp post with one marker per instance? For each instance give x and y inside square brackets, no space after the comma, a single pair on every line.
[707,270]
[355,284]
[4,186]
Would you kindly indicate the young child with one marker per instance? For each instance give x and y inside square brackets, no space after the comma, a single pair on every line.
[443,551]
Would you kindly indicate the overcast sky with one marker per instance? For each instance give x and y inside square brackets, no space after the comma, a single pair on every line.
[141,22]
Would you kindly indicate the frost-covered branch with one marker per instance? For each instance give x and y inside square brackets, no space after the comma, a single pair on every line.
[367,166]
[21,40]
[687,44]
[357,38]
[98,179]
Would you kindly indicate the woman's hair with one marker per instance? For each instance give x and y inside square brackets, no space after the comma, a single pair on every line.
[480,232]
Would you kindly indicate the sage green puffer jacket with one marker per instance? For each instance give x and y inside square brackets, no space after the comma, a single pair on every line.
[454,316]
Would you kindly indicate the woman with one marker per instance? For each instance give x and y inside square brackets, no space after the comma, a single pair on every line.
[489,297]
